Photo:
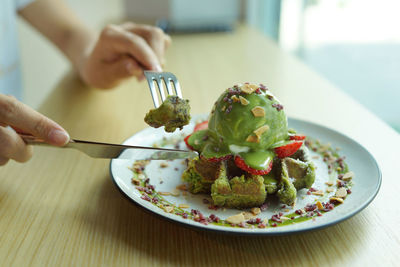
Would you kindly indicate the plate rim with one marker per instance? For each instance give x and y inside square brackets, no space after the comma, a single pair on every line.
[228,231]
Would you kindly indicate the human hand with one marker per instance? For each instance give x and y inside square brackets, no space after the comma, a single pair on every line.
[16,116]
[123,51]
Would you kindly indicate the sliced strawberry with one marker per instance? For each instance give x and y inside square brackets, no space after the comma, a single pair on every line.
[187,143]
[242,165]
[215,159]
[288,150]
[201,126]
[297,137]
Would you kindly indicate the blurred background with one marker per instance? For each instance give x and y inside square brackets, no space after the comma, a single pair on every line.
[355,44]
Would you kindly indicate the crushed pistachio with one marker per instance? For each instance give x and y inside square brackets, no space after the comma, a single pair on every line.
[243,101]
[183,206]
[258,111]
[330,189]
[329,183]
[175,193]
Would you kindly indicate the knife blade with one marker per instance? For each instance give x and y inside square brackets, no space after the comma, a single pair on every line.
[116,151]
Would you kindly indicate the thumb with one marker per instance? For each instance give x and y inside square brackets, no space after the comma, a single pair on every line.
[24,118]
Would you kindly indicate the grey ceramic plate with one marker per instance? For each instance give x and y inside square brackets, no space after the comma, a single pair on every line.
[367,181]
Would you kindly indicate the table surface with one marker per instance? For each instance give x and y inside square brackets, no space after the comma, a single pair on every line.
[61,208]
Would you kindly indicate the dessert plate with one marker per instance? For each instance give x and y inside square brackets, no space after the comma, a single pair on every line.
[165,176]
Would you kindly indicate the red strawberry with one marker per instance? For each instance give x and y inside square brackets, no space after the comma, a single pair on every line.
[297,137]
[187,143]
[242,165]
[201,126]
[288,150]
[214,159]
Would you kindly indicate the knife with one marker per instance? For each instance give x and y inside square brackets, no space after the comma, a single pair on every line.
[116,151]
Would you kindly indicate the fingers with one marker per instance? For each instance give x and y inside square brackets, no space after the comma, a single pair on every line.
[128,43]
[154,36]
[17,114]
[118,70]
[13,147]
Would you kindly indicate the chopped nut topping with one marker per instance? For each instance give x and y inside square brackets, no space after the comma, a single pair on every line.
[182,187]
[329,183]
[283,218]
[243,101]
[256,211]
[319,205]
[169,209]
[341,192]
[336,199]
[330,190]
[261,130]
[164,193]
[235,219]
[315,157]
[163,165]
[223,108]
[348,176]
[135,181]
[318,193]
[183,206]
[175,192]
[248,88]
[258,111]
[248,215]
[253,139]
[235,98]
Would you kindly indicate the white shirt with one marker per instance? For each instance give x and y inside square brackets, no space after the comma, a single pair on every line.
[10,71]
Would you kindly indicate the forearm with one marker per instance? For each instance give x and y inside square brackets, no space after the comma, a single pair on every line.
[60,25]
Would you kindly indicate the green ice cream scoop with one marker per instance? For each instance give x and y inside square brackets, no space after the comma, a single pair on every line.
[253,119]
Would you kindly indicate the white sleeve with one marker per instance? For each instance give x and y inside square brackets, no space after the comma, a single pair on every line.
[20,4]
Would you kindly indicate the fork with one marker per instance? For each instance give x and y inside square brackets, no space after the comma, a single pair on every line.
[161,78]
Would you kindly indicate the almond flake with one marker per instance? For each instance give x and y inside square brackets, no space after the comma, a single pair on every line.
[261,130]
[135,181]
[164,193]
[329,183]
[236,219]
[330,190]
[182,187]
[348,176]
[243,101]
[163,165]
[341,192]
[248,215]
[248,88]
[256,211]
[318,193]
[235,98]
[336,199]
[183,206]
[175,192]
[258,111]
[283,218]
[253,139]
[169,209]
[319,205]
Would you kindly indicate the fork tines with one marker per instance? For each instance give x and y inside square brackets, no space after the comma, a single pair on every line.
[161,78]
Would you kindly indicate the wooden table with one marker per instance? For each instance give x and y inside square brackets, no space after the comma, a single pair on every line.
[61,208]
